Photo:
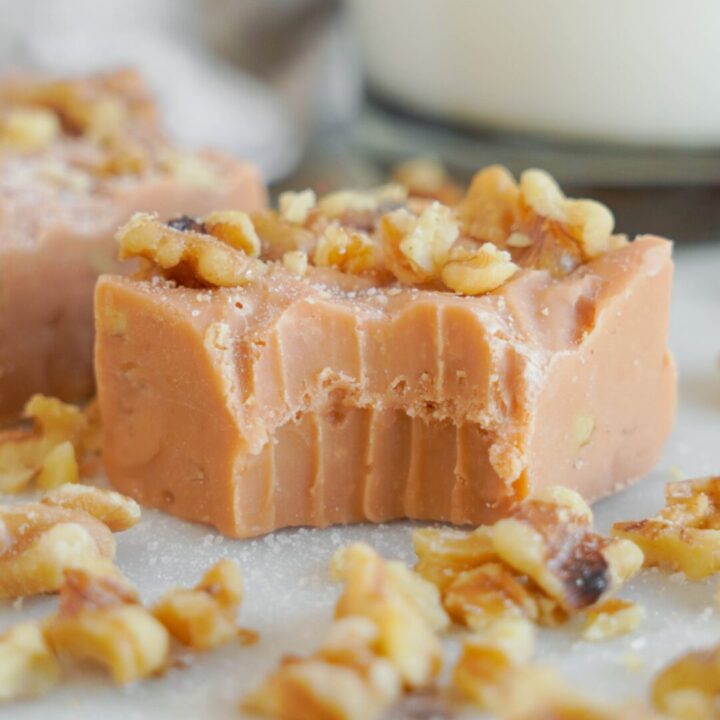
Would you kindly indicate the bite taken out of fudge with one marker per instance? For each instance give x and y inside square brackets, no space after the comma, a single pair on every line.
[77,159]
[366,356]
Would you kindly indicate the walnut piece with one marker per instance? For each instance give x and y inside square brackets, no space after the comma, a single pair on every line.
[344,680]
[117,511]
[101,621]
[295,261]
[28,667]
[205,616]
[553,543]
[336,205]
[416,248]
[184,251]
[474,272]
[685,535]
[689,688]
[381,644]
[427,178]
[482,596]
[59,467]
[405,639]
[612,618]
[60,432]
[39,542]
[235,228]
[27,130]
[445,553]
[348,250]
[296,206]
[541,227]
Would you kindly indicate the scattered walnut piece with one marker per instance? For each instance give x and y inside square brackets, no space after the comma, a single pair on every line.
[59,467]
[348,250]
[685,535]
[445,553]
[482,596]
[405,637]
[296,206]
[345,679]
[553,543]
[612,618]
[489,659]
[689,688]
[381,644]
[57,428]
[27,130]
[117,511]
[101,621]
[28,667]
[427,178]
[38,542]
[474,272]
[205,616]
[185,251]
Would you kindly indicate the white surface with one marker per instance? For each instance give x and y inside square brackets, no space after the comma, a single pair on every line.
[636,71]
[290,598]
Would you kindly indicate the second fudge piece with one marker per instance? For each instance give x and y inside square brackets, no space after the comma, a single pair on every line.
[370,357]
[77,159]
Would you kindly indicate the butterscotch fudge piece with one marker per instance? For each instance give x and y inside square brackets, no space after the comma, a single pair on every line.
[77,159]
[367,357]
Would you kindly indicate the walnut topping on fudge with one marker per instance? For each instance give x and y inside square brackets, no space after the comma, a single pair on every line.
[471,248]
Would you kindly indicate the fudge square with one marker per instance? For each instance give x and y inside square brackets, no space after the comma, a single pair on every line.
[369,356]
[77,159]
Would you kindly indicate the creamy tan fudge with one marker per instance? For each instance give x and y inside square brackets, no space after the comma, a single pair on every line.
[77,159]
[367,357]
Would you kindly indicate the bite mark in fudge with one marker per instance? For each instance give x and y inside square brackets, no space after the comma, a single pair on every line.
[77,159]
[351,392]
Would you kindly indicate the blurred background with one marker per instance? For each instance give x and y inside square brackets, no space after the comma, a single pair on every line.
[618,100]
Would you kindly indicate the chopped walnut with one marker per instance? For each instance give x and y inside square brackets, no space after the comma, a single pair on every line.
[100,621]
[405,637]
[535,221]
[59,467]
[235,228]
[689,688]
[296,262]
[426,178]
[296,206]
[205,616]
[188,168]
[417,247]
[38,542]
[488,659]
[24,452]
[27,130]
[486,594]
[186,252]
[553,543]
[117,511]
[348,250]
[445,553]
[28,667]
[612,618]
[338,204]
[685,535]
[474,272]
